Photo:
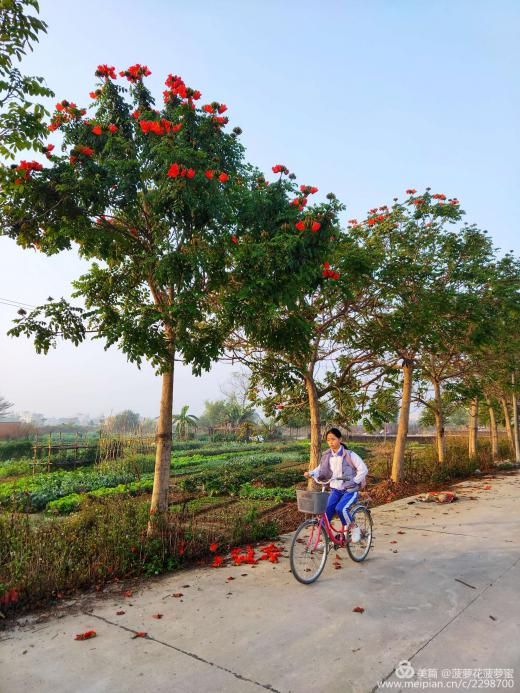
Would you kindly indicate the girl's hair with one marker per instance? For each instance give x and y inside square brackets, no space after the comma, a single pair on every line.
[335,432]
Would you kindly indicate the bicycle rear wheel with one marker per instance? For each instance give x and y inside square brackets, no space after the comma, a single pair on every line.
[358,551]
[309,550]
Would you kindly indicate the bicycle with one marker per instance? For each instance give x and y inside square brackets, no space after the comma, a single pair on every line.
[315,537]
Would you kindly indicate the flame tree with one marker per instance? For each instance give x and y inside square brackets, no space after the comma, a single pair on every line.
[186,239]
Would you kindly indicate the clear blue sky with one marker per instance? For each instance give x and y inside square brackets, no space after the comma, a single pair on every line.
[361,98]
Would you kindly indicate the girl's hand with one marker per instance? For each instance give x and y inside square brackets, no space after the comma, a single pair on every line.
[306,474]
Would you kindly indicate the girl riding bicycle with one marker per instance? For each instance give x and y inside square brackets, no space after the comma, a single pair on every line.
[339,462]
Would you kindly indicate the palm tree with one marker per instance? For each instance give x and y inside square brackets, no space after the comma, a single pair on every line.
[237,415]
[183,422]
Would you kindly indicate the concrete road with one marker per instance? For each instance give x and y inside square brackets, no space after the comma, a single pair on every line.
[440,589]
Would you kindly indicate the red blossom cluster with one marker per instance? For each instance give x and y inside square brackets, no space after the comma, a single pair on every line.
[95,94]
[29,166]
[47,150]
[220,120]
[439,196]
[66,111]
[9,597]
[177,88]
[299,202]
[135,73]
[329,273]
[158,127]
[353,222]
[177,170]
[280,168]
[313,225]
[411,191]
[419,201]
[87,151]
[376,218]
[454,201]
[106,72]
[308,189]
[234,239]
[215,108]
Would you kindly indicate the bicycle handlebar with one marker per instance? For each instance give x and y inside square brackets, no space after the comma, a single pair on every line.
[332,478]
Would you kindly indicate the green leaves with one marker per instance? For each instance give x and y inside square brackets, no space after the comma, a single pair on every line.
[21,121]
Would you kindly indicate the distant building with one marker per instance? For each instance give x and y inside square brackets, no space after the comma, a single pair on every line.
[12,429]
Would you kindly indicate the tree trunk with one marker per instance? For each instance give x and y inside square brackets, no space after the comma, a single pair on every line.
[404,418]
[314,409]
[515,420]
[439,423]
[507,421]
[161,480]
[473,428]
[493,432]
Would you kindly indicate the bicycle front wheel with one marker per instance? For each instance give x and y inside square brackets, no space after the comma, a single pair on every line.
[309,550]
[358,550]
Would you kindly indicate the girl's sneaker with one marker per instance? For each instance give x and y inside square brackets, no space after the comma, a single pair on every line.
[355,535]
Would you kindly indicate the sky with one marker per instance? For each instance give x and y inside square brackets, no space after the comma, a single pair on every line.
[362,99]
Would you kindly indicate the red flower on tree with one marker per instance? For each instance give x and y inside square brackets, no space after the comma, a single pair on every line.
[106,72]
[300,225]
[87,151]
[308,189]
[173,171]
[234,239]
[222,108]
[316,226]
[29,166]
[113,128]
[280,168]
[135,73]
[190,173]
[96,130]
[411,191]
[208,108]
[209,174]
[223,177]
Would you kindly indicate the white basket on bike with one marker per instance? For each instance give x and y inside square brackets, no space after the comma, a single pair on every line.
[313,502]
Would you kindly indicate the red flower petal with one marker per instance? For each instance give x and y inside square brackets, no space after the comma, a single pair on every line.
[86,635]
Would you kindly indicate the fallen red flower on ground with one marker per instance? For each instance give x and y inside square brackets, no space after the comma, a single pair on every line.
[86,635]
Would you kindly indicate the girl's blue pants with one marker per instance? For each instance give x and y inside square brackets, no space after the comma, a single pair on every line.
[339,502]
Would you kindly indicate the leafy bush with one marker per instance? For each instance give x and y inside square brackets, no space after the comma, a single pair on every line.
[15,449]
[248,527]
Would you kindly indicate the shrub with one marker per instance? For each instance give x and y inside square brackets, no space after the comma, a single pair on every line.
[15,449]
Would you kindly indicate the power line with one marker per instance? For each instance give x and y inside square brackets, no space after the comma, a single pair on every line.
[15,304]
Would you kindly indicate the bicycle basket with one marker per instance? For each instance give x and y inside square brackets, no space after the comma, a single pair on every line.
[313,502]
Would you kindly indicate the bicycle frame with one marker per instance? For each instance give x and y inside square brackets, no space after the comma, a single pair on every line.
[330,530]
